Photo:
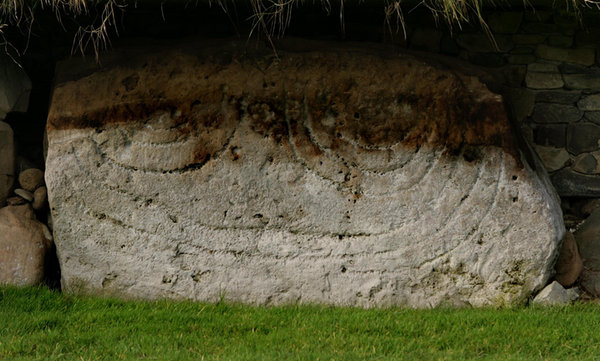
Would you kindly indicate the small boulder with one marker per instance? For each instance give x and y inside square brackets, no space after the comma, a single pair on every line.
[30,179]
[23,243]
[589,206]
[554,295]
[588,242]
[569,264]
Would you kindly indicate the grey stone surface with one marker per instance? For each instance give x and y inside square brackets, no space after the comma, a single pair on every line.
[586,163]
[583,137]
[558,96]
[543,68]
[555,113]
[553,158]
[535,80]
[230,197]
[555,295]
[569,183]
[15,87]
[590,81]
[582,56]
[589,103]
[7,161]
[24,245]
[593,117]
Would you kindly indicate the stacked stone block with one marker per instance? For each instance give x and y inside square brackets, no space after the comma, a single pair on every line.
[548,68]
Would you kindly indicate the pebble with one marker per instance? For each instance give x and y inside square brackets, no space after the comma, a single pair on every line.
[28,196]
[31,178]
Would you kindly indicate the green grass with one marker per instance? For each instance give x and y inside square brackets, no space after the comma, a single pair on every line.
[38,324]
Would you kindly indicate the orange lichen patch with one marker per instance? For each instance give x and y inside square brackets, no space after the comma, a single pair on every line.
[348,96]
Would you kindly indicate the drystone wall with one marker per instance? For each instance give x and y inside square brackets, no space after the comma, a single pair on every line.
[546,64]
[215,171]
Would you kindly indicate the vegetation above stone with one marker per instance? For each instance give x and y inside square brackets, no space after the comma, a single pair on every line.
[97,19]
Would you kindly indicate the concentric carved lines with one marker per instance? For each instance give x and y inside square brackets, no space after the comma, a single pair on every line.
[302,140]
[145,147]
[339,165]
[165,208]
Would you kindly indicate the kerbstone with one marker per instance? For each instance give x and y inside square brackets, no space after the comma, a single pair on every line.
[313,179]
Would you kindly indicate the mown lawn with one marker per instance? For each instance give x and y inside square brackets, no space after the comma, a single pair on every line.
[38,324]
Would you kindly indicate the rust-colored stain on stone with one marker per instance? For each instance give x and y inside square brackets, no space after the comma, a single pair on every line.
[369,100]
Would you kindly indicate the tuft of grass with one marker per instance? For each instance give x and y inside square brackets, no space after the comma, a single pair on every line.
[37,324]
[270,17]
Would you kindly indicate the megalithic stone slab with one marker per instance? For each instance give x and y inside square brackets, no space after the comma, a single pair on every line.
[347,176]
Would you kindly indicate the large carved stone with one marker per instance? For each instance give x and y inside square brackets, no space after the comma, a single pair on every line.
[343,176]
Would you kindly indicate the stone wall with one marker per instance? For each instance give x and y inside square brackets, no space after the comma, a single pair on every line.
[546,64]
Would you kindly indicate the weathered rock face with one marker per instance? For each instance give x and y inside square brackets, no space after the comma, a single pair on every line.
[24,242]
[7,161]
[342,176]
[588,241]
[15,87]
